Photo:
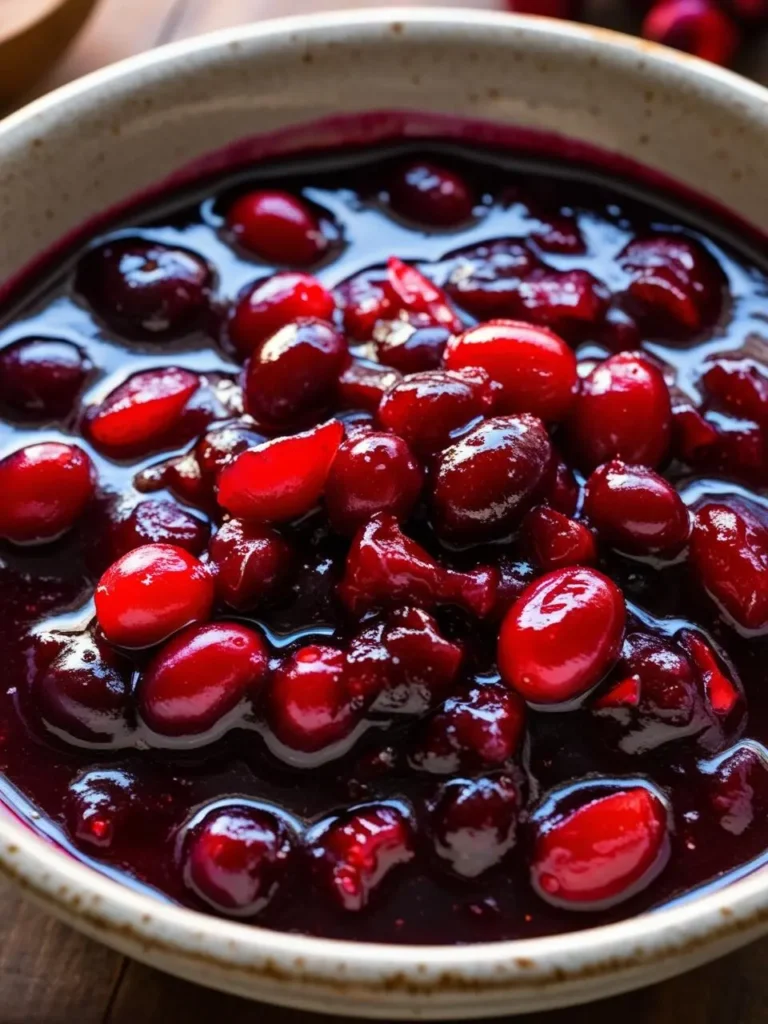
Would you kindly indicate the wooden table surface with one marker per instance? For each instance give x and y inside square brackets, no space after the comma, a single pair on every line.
[49,974]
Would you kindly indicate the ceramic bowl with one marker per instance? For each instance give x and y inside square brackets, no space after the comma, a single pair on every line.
[295,83]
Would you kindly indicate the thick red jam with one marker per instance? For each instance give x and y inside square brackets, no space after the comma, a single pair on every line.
[385,549]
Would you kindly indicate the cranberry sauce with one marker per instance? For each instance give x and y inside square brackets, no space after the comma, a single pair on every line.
[385,550]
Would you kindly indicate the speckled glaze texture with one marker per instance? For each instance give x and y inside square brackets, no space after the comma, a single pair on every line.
[96,143]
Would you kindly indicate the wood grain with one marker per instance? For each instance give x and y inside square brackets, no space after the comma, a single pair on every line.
[51,975]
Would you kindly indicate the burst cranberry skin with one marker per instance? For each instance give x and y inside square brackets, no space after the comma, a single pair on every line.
[278,227]
[636,510]
[729,554]
[484,484]
[251,564]
[272,303]
[473,823]
[157,521]
[427,409]
[430,194]
[280,479]
[151,593]
[386,568]
[309,706]
[142,412]
[561,491]
[411,349]
[236,858]
[354,854]
[535,368]
[740,386]
[372,473]
[622,410]
[199,676]
[412,294]
[562,636]
[42,377]
[145,290]
[46,489]
[98,805]
[293,374]
[737,786]
[694,26]
[556,541]
[595,844]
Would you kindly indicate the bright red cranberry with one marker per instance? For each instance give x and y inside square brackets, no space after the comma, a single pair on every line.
[236,858]
[535,368]
[561,490]
[411,349]
[562,636]
[201,675]
[145,289]
[293,374]
[280,479]
[740,386]
[158,521]
[403,665]
[596,843]
[557,541]
[694,26]
[371,473]
[98,806]
[410,292]
[675,286]
[484,484]
[141,413]
[309,706]
[478,730]
[46,488]
[474,823]
[737,786]
[273,302]
[386,568]
[729,554]
[636,510]
[83,691]
[486,278]
[430,194]
[251,564]
[278,227]
[151,593]
[42,377]
[353,854]
[428,409]
[623,411]
[364,385]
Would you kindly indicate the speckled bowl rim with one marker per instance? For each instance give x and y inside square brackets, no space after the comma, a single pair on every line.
[367,978]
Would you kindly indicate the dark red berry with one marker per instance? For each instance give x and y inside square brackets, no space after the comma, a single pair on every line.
[473,823]
[98,806]
[486,278]
[410,349]
[251,563]
[42,377]
[556,541]
[694,26]
[562,636]
[365,302]
[561,490]
[737,786]
[278,227]
[740,386]
[273,302]
[572,303]
[430,194]
[157,521]
[46,488]
[364,385]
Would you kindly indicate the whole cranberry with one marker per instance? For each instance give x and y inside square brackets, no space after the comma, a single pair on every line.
[596,843]
[251,563]
[401,666]
[535,368]
[473,823]
[694,26]
[412,294]
[364,385]
[623,411]
[486,278]
[476,731]
[556,541]
[42,377]
[139,415]
[486,482]
[737,786]
[98,805]
[46,488]
[144,289]
[430,194]
[354,853]
[636,510]
[385,568]
[410,349]
[151,593]
[309,707]
[278,227]
[372,473]
[562,636]
[237,856]
[740,386]
[84,691]
[273,302]
[280,479]
[729,554]
[293,374]
[428,409]
[675,286]
[157,521]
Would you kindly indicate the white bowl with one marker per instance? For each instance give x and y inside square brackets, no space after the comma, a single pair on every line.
[95,143]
